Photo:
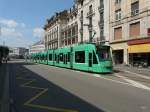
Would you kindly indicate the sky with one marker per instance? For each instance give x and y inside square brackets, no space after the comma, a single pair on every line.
[22,21]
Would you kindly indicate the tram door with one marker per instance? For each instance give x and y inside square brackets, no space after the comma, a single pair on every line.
[90,59]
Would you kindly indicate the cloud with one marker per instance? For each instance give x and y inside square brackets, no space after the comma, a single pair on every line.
[8,23]
[10,32]
[38,32]
[13,33]
[11,23]
[16,34]
[14,37]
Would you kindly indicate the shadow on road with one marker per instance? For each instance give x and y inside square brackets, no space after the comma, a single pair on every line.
[27,92]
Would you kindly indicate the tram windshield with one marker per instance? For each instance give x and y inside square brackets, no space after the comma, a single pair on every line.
[103,52]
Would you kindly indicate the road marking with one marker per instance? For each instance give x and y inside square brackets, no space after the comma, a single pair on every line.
[101,77]
[144,70]
[134,83]
[36,96]
[51,108]
[96,75]
[142,76]
[44,90]
[29,82]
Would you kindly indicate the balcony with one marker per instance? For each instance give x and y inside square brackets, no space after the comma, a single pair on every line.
[101,7]
[90,13]
[135,12]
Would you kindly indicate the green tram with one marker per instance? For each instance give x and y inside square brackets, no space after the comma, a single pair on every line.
[84,57]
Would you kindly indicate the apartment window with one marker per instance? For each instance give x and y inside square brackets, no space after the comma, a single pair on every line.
[82,2]
[118,15]
[102,33]
[148,31]
[135,8]
[82,21]
[117,1]
[90,22]
[90,8]
[117,33]
[101,2]
[69,33]
[76,29]
[73,31]
[82,14]
[135,30]
[102,17]
[81,17]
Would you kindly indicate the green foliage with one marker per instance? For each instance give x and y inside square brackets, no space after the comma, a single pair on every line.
[4,51]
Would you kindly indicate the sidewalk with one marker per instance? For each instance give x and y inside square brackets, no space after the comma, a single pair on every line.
[4,88]
[136,70]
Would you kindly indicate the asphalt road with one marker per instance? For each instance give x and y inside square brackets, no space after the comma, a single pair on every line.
[43,88]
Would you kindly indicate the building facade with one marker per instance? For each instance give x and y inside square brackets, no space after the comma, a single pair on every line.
[69,32]
[53,29]
[37,47]
[18,52]
[83,23]
[122,24]
[130,31]
[91,23]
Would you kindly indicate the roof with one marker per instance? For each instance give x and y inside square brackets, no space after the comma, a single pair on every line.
[39,42]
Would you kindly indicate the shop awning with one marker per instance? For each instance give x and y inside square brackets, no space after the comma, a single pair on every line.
[141,48]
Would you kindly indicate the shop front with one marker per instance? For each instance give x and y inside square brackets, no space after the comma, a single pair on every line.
[119,53]
[139,52]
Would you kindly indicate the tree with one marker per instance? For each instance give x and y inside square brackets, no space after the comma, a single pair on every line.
[4,51]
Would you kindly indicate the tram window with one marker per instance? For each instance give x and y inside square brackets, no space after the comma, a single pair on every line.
[103,53]
[45,57]
[94,58]
[61,56]
[50,57]
[68,56]
[58,58]
[64,58]
[55,57]
[80,57]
